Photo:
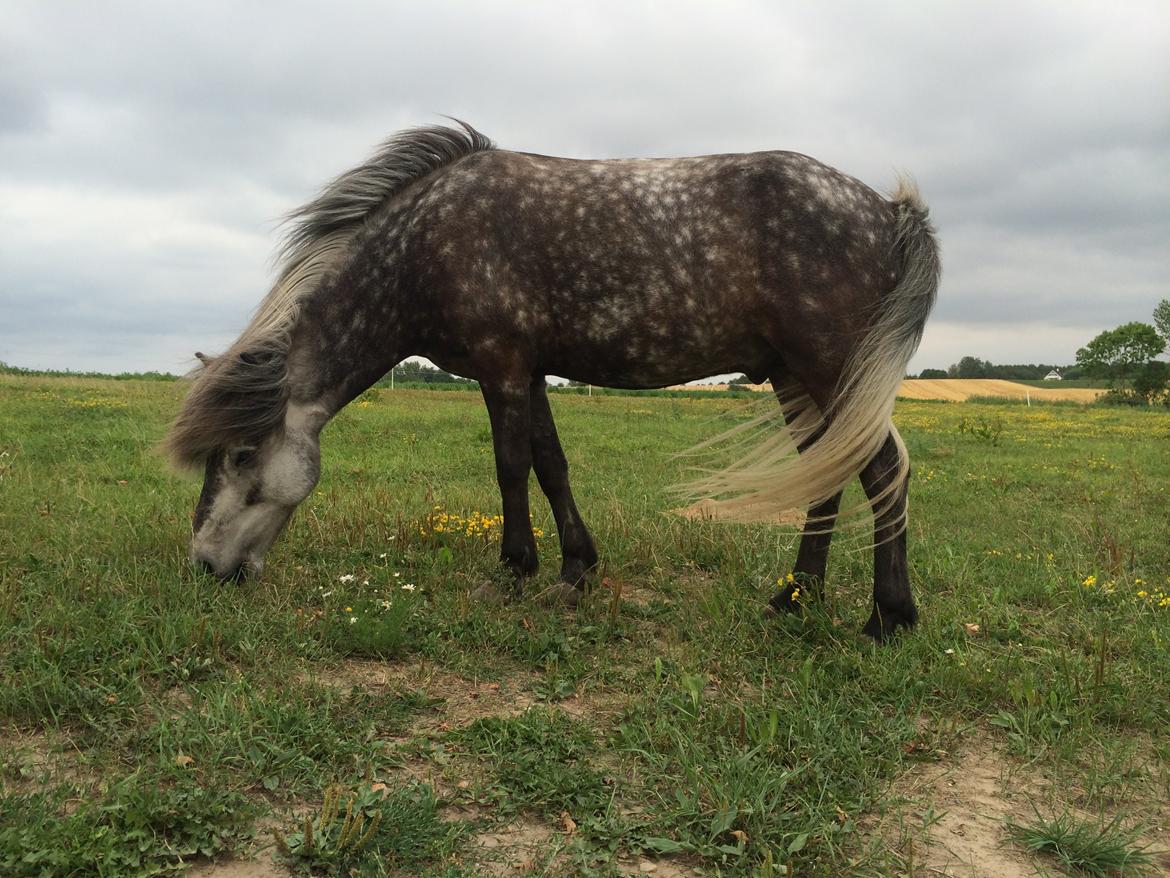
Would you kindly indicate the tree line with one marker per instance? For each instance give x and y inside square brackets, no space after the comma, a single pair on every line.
[973,367]
[1126,359]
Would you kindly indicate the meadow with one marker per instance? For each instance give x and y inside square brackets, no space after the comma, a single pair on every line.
[354,712]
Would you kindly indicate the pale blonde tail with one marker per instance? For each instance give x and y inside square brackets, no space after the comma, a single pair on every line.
[772,477]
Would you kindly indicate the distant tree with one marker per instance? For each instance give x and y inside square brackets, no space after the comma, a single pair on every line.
[969,367]
[933,373]
[1162,321]
[1124,357]
[740,379]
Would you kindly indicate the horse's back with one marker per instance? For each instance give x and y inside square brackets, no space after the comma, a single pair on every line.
[671,263]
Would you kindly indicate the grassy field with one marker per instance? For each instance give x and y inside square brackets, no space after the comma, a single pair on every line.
[352,712]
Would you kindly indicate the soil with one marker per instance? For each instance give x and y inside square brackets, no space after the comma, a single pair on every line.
[237,869]
[972,798]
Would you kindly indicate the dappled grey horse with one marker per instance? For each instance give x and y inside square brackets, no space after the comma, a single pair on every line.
[507,267]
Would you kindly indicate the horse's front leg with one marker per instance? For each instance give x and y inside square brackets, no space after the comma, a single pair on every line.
[808,573]
[578,554]
[508,409]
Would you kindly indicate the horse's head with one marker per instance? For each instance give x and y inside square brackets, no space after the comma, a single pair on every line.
[251,486]
[249,494]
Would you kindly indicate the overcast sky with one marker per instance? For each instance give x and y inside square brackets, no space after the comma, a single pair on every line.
[148,149]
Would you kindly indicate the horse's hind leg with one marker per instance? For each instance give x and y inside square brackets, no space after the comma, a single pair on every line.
[508,409]
[578,553]
[893,605]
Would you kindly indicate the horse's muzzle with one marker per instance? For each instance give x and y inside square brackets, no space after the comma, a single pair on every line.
[236,574]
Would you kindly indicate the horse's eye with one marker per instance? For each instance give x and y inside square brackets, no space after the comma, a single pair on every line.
[243,457]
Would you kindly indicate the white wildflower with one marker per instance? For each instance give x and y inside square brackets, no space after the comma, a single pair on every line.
[408,586]
[346,577]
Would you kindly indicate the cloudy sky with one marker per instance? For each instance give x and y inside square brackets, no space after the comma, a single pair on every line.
[147,150]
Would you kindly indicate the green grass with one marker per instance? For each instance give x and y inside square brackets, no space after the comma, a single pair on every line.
[368,832]
[1100,848]
[149,715]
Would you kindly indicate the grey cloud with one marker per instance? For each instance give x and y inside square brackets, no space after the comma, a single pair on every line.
[171,139]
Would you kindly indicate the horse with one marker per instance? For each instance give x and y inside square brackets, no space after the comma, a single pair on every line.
[507,267]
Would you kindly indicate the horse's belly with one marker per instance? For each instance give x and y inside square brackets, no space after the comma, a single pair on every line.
[656,359]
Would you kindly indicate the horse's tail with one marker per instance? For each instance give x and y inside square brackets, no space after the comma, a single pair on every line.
[838,442]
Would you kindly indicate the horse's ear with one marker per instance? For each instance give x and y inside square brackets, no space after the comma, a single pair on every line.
[203,358]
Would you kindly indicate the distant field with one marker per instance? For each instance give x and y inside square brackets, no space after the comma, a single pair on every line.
[958,389]
[151,718]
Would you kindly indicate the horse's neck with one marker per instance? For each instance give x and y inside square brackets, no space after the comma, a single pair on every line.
[344,341]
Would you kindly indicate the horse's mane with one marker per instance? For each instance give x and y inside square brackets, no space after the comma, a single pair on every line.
[241,396]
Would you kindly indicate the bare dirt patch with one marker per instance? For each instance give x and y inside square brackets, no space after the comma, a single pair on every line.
[34,759]
[238,869]
[464,699]
[965,803]
[523,847]
[658,868]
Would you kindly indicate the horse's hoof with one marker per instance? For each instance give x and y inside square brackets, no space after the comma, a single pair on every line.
[560,594]
[488,593]
[884,624]
[782,605]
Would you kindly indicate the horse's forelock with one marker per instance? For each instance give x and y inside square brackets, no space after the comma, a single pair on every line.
[238,398]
